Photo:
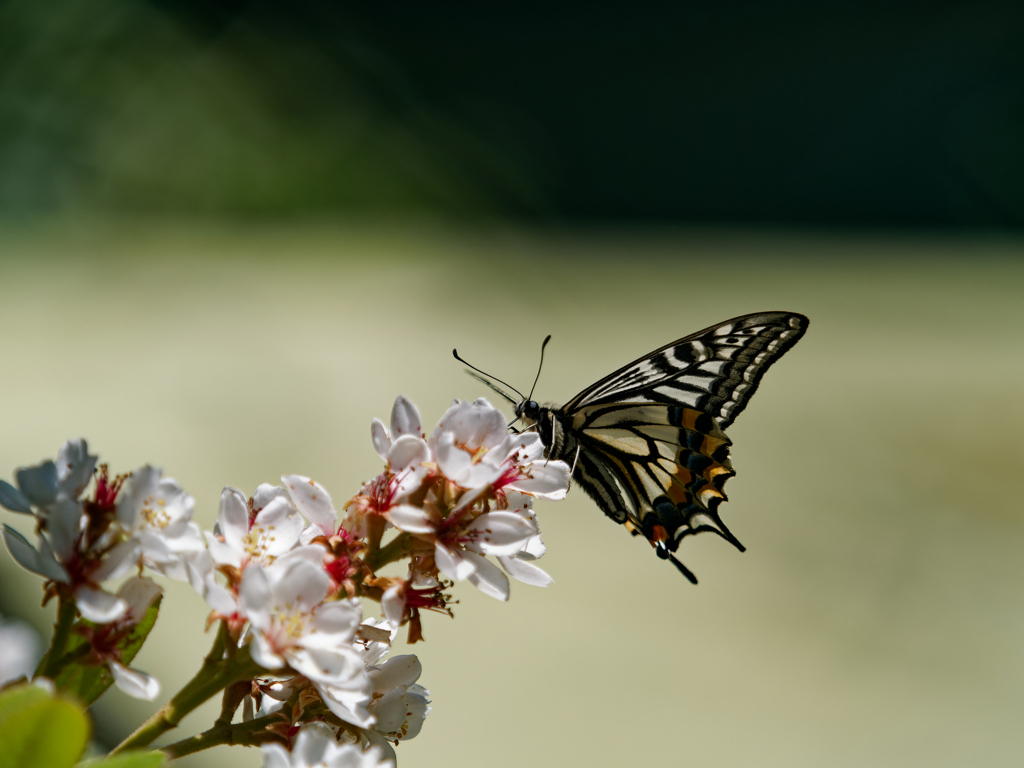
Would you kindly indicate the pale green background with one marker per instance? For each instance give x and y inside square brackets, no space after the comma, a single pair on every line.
[877,618]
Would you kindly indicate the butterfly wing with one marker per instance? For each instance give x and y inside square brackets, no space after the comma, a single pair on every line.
[714,371]
[651,450]
[658,469]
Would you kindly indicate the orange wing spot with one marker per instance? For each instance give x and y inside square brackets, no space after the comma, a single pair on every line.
[708,492]
[715,470]
[712,444]
[690,417]
[677,491]
[658,534]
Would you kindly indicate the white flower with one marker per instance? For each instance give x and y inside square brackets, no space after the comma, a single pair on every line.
[272,529]
[157,513]
[292,626]
[474,425]
[44,483]
[460,542]
[399,705]
[51,492]
[316,746]
[403,448]
[524,469]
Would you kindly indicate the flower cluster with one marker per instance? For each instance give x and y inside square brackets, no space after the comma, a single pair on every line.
[86,540]
[286,574]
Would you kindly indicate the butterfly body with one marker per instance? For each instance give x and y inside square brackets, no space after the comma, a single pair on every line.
[647,442]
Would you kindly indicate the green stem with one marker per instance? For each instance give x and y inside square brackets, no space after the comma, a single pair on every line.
[217,673]
[51,663]
[396,549]
[233,696]
[248,734]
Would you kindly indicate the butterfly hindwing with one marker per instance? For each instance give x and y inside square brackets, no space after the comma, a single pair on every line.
[660,469]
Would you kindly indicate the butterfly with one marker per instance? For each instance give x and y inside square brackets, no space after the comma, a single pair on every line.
[647,442]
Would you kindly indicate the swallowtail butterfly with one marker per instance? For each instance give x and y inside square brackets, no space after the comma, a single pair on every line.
[647,442]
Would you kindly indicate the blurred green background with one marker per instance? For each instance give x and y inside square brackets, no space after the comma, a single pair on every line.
[231,233]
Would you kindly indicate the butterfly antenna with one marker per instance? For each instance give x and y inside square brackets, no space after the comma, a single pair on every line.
[486,379]
[546,340]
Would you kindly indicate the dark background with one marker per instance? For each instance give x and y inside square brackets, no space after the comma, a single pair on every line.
[857,114]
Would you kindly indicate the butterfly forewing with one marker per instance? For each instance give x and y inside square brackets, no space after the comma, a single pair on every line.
[714,371]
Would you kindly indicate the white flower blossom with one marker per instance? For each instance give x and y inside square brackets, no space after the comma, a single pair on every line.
[399,705]
[292,626]
[51,492]
[157,513]
[272,529]
[316,746]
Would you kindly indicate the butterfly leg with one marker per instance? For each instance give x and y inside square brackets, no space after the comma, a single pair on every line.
[571,471]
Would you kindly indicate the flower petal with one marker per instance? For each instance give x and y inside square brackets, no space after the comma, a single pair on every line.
[275,756]
[405,419]
[136,684]
[121,559]
[381,441]
[13,499]
[398,670]
[393,605]
[313,501]
[39,483]
[499,533]
[233,517]
[64,524]
[528,573]
[30,559]
[546,479]
[136,489]
[99,605]
[473,424]
[410,519]
[74,467]
[452,563]
[254,597]
[140,593]
[451,460]
[487,577]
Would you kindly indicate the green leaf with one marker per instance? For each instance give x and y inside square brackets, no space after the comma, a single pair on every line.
[88,682]
[128,760]
[40,731]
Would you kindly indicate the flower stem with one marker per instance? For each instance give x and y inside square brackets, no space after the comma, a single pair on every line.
[395,549]
[51,663]
[247,734]
[217,673]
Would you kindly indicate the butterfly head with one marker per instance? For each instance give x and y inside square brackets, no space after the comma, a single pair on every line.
[528,410]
